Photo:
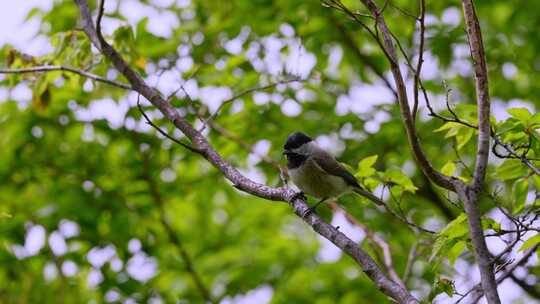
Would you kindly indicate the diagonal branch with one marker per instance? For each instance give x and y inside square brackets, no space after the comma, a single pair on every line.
[478,291]
[239,181]
[49,68]
[513,153]
[162,132]
[414,141]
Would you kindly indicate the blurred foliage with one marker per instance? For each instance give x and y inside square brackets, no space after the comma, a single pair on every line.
[121,182]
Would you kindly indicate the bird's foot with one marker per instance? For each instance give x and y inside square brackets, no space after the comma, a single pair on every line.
[299,195]
[309,211]
[312,209]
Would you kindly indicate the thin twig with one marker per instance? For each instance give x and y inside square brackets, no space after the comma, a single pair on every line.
[49,68]
[248,91]
[420,56]
[514,153]
[410,262]
[478,288]
[404,12]
[162,132]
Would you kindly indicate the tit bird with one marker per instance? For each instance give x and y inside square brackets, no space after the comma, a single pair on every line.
[316,172]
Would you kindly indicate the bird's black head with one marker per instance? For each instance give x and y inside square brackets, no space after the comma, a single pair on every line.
[295,140]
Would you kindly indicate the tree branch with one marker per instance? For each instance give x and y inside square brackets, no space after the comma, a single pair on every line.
[239,181]
[512,152]
[390,52]
[482,91]
[49,68]
[478,291]
[248,91]
[470,195]
[420,56]
[162,132]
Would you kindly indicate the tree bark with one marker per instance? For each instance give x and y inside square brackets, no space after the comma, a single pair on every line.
[470,195]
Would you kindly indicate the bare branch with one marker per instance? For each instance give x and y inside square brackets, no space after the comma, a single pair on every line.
[390,52]
[420,56]
[162,132]
[478,291]
[468,194]
[413,254]
[513,153]
[482,90]
[471,195]
[239,181]
[405,12]
[243,93]
[481,253]
[336,4]
[49,68]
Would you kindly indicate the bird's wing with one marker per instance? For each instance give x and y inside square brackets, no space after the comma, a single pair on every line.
[331,166]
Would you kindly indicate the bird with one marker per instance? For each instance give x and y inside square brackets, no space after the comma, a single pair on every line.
[317,173]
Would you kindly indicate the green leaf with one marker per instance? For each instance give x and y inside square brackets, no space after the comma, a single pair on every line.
[489,223]
[456,228]
[519,193]
[510,169]
[5,215]
[449,168]
[536,182]
[534,122]
[455,251]
[371,183]
[365,166]
[521,114]
[442,285]
[400,178]
[33,12]
[447,286]
[448,125]
[529,243]
[463,136]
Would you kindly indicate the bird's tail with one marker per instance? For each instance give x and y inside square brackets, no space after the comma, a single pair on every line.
[370,196]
